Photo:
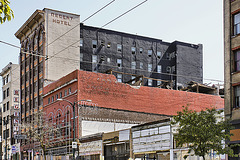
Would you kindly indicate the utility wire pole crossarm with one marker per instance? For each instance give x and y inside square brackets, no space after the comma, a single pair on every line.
[73,104]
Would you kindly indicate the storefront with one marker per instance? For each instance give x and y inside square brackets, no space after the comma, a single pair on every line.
[117,145]
[90,147]
[152,141]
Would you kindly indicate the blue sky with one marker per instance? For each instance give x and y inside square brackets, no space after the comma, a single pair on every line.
[189,21]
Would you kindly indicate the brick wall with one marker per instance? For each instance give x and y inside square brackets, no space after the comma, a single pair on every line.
[105,92]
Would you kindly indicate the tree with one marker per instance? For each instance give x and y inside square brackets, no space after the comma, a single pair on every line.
[6,12]
[40,131]
[202,131]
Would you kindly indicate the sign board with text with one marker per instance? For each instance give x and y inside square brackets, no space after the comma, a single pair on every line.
[19,136]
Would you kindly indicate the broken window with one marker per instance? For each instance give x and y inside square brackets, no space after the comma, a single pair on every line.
[119,47]
[133,49]
[159,54]
[149,53]
[149,82]
[168,69]
[119,63]
[94,43]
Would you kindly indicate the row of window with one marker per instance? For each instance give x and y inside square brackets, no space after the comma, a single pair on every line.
[150,81]
[6,79]
[236,24]
[6,93]
[237,96]
[237,61]
[133,64]
[120,46]
[59,95]
[6,106]
[37,43]
[28,89]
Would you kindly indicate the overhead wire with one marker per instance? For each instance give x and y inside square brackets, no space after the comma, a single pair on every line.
[170,74]
[21,49]
[123,14]
[97,30]
[101,27]
[80,23]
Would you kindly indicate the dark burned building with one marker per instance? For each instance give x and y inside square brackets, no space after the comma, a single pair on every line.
[46,56]
[128,56]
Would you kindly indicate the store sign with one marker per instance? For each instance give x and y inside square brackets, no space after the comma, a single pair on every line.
[16,114]
[19,136]
[16,106]
[16,121]
[74,144]
[16,92]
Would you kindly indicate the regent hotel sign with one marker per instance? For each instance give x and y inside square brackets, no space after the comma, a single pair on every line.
[61,19]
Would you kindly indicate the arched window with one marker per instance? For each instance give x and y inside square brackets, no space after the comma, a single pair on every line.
[59,124]
[35,43]
[40,42]
[67,123]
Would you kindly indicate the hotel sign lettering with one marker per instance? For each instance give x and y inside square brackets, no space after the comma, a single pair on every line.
[61,19]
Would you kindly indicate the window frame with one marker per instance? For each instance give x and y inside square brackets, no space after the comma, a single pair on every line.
[133,50]
[133,65]
[141,65]
[94,44]
[119,77]
[159,54]
[236,25]
[150,67]
[159,68]
[119,47]
[150,82]
[150,51]
[237,61]
[236,97]
[119,63]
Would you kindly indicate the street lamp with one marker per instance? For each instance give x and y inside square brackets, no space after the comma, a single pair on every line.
[73,105]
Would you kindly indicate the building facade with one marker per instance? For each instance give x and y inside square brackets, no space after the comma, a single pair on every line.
[114,105]
[107,51]
[10,109]
[35,36]
[90,117]
[54,43]
[232,66]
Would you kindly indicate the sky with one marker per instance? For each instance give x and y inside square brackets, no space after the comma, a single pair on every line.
[191,21]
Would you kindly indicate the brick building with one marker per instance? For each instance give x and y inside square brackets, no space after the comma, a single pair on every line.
[103,50]
[114,105]
[88,48]
[232,67]
[10,109]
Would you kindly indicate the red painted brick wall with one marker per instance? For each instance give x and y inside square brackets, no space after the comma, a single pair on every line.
[106,92]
